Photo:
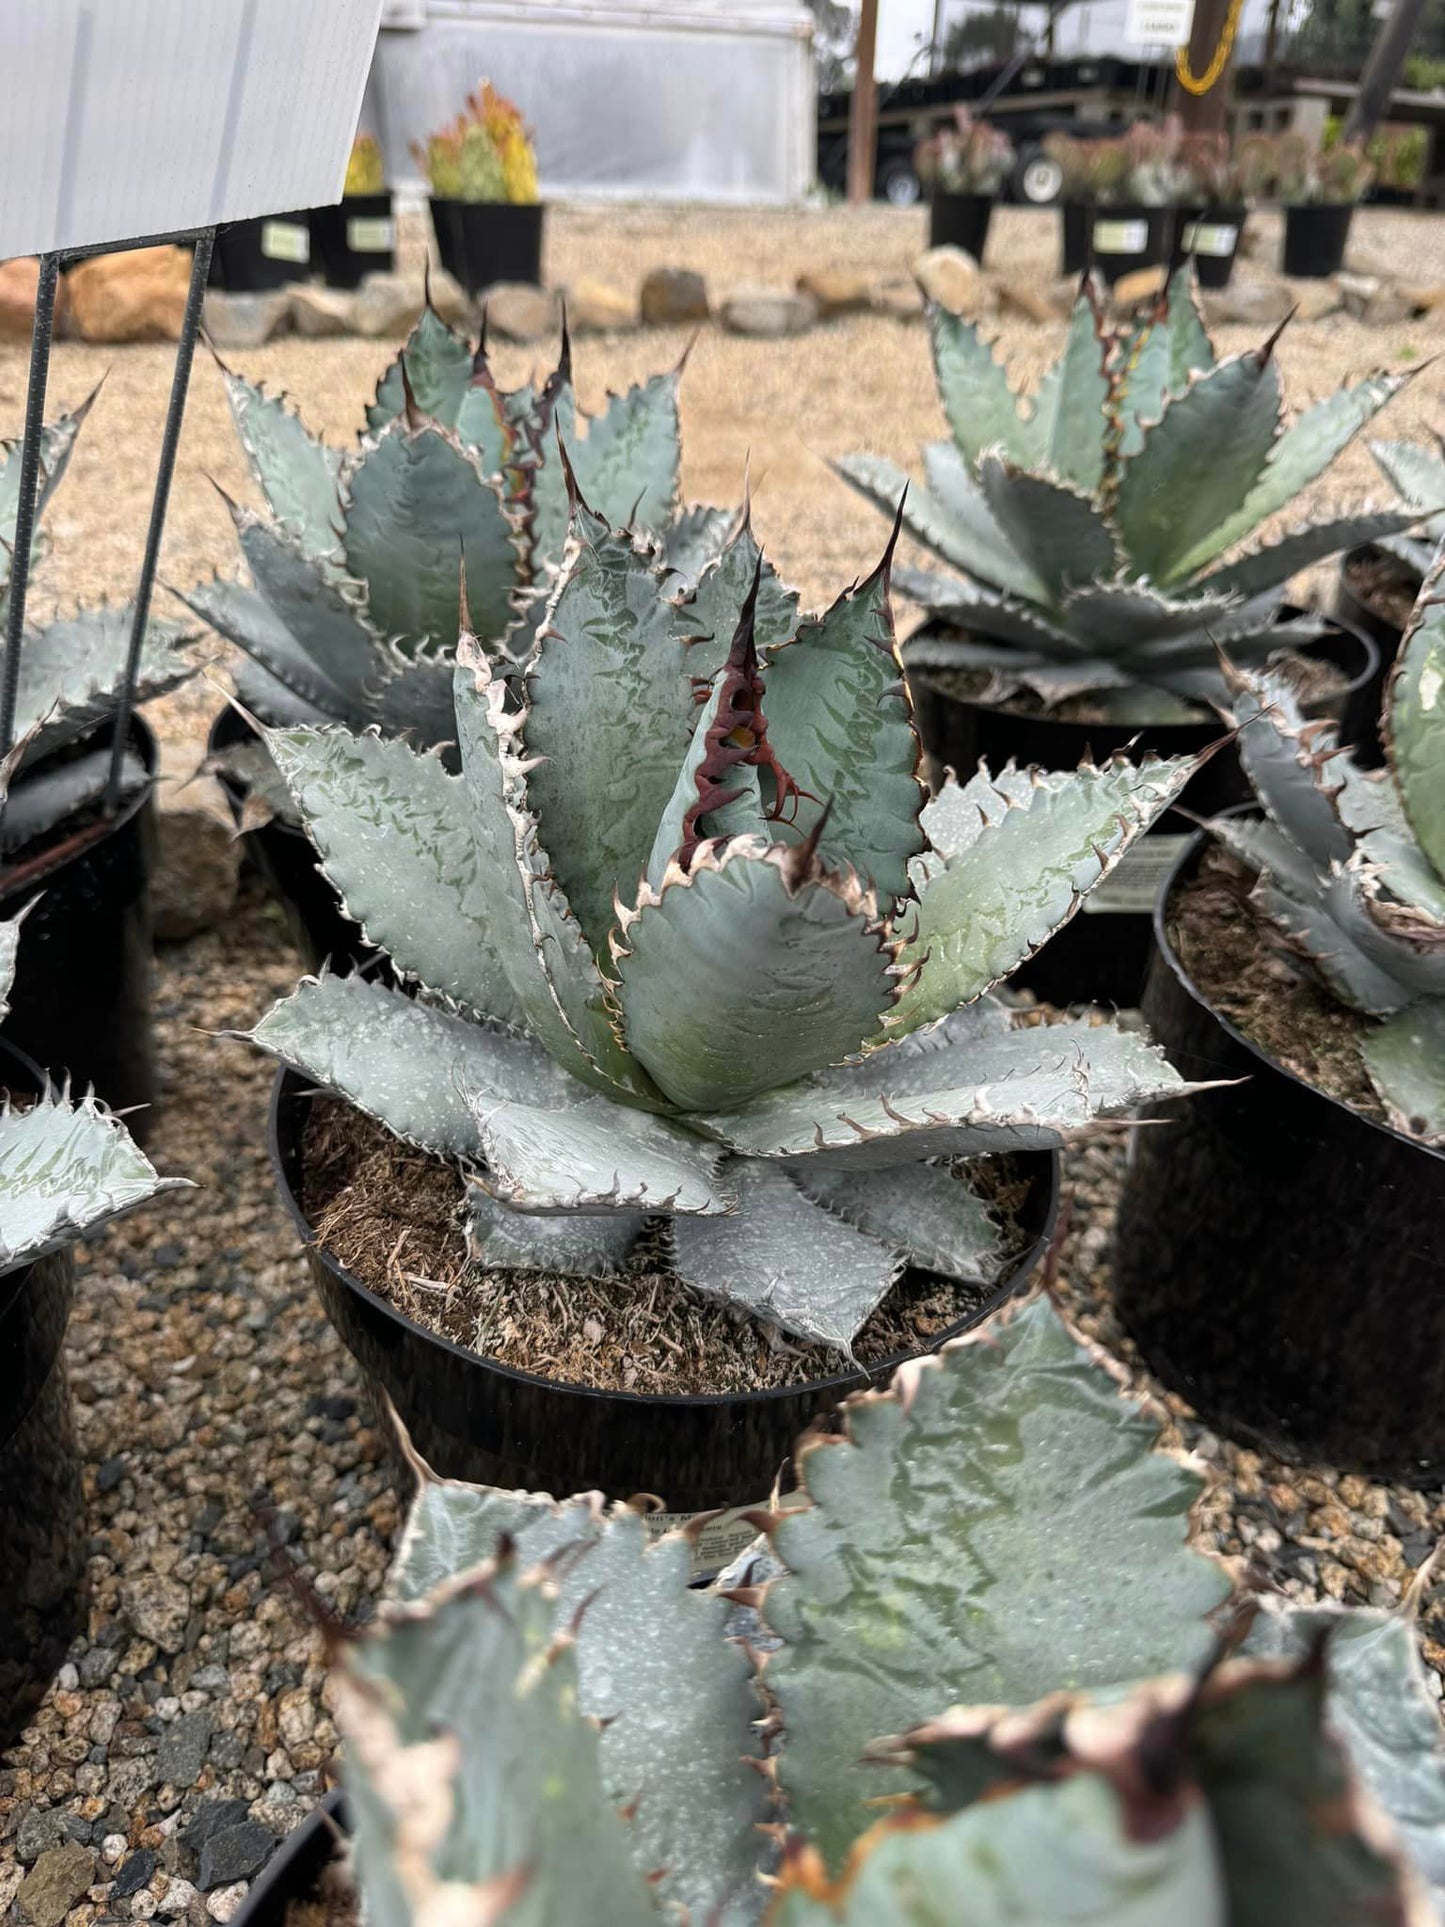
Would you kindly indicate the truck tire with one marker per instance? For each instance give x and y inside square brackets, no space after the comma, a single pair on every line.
[1038,180]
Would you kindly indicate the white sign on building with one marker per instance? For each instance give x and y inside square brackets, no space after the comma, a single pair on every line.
[1158,23]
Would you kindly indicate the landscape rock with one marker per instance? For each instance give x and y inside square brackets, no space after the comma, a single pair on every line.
[19,281]
[1315,299]
[235,1853]
[448,297]
[177,1898]
[836,292]
[1387,307]
[1030,301]
[672,297]
[157,1608]
[596,307]
[768,314]
[225,1904]
[517,311]
[1425,300]
[951,277]
[388,304]
[1140,285]
[898,295]
[245,320]
[197,871]
[1357,291]
[210,1818]
[138,296]
[42,1827]
[1251,304]
[317,311]
[56,1881]
[133,1874]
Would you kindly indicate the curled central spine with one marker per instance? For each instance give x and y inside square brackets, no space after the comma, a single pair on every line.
[738,736]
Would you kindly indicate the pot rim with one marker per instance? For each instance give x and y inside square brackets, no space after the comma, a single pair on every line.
[1190,854]
[272,1887]
[1012,1282]
[143,738]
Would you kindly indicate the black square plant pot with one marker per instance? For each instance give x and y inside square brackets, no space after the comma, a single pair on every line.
[1210,237]
[1315,239]
[483,242]
[256,256]
[960,221]
[353,239]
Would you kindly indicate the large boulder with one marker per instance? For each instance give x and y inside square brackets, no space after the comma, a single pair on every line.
[246,320]
[598,308]
[836,292]
[137,296]
[518,311]
[19,281]
[316,311]
[951,277]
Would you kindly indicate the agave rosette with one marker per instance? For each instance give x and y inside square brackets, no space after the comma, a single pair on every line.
[1104,531]
[1351,862]
[353,607]
[693,947]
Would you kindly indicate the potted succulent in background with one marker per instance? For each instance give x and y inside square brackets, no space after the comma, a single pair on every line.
[1209,221]
[1092,529]
[1278,1258]
[997,1526]
[352,614]
[1121,198]
[65,1169]
[1320,189]
[484,206]
[963,167]
[690,920]
[81,1000]
[356,236]
[1379,581]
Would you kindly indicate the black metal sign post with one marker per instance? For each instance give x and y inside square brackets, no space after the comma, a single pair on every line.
[50,267]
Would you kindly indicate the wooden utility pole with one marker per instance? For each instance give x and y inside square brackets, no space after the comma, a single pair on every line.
[863,113]
[1382,70]
[1205,113]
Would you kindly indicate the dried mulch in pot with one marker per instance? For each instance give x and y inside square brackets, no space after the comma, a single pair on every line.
[394,1217]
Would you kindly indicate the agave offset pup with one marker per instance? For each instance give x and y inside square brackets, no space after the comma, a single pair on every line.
[692,947]
[1096,528]
[937,1705]
[1352,862]
[355,601]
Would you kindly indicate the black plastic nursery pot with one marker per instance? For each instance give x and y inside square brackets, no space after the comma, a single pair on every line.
[492,1424]
[1278,1257]
[81,1001]
[1210,237]
[1102,954]
[482,242]
[271,251]
[290,1876]
[960,221]
[1359,612]
[1117,240]
[354,238]
[287,859]
[1315,238]
[1074,236]
[42,1514]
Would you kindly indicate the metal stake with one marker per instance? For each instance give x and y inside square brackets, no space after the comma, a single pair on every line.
[29,489]
[160,501]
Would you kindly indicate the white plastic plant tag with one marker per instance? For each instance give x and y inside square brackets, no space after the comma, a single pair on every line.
[122,118]
[1213,238]
[717,1543]
[1132,888]
[365,235]
[286,241]
[1121,237]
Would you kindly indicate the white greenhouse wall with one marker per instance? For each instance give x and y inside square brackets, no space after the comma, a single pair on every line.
[686,100]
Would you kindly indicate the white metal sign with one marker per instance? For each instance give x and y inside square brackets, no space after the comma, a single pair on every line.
[1158,23]
[121,118]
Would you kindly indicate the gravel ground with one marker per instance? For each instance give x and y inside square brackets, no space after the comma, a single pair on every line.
[189,1729]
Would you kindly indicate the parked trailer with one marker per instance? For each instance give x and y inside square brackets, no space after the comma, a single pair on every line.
[685,100]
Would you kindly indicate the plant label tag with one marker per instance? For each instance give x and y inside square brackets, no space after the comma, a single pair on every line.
[1121,237]
[1214,238]
[1159,23]
[123,118]
[719,1542]
[285,241]
[370,234]
[1132,889]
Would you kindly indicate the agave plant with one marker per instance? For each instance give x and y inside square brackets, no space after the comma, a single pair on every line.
[1091,525]
[71,669]
[1352,863]
[716,963]
[65,1167]
[353,610]
[1419,475]
[546,1725]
